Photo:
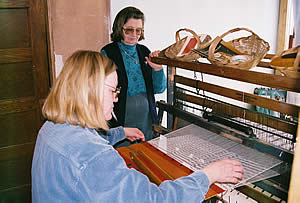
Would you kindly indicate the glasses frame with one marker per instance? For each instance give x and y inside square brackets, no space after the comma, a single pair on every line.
[116,90]
[130,31]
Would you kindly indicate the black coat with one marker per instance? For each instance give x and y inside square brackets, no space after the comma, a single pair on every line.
[113,52]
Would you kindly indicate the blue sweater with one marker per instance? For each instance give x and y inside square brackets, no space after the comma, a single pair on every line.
[75,164]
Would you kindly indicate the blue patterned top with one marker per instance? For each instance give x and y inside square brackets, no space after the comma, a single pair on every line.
[136,83]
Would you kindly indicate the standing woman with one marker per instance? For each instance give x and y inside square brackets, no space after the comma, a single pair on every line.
[139,78]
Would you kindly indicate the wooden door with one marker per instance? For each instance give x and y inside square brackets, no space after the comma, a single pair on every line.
[24,83]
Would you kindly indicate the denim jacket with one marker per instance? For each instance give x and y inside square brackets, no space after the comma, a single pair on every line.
[75,164]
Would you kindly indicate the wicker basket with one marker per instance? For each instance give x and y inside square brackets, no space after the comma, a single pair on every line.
[174,51]
[244,52]
[288,62]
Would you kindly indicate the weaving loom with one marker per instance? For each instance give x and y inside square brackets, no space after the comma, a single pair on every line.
[203,127]
[196,147]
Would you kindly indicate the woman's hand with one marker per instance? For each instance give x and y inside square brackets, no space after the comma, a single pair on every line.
[224,171]
[133,134]
[156,67]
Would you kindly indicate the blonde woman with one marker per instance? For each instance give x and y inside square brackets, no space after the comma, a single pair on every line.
[73,163]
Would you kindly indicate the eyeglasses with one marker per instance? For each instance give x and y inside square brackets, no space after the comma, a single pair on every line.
[116,91]
[130,31]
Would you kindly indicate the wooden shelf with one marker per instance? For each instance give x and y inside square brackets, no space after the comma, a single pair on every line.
[265,79]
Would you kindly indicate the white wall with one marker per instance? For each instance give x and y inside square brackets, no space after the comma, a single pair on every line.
[213,17]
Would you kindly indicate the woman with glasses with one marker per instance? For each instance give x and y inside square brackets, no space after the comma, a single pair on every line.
[73,163]
[139,78]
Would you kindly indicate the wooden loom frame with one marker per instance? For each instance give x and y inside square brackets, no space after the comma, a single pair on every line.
[269,80]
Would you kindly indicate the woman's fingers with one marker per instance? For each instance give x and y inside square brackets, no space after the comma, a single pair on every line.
[133,134]
[224,171]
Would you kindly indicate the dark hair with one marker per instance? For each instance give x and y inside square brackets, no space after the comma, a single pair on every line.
[122,17]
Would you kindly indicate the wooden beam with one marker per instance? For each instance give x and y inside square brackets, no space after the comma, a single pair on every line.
[258,196]
[294,194]
[50,41]
[239,112]
[171,72]
[245,97]
[282,25]
[265,79]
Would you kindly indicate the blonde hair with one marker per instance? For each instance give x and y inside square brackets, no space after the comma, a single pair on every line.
[77,96]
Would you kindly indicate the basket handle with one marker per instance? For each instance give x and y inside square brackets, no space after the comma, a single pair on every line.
[188,30]
[238,29]
[216,41]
